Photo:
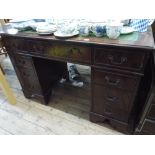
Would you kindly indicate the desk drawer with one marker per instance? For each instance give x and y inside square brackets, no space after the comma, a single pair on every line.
[28,45]
[34,46]
[125,59]
[71,52]
[22,60]
[112,102]
[30,80]
[116,80]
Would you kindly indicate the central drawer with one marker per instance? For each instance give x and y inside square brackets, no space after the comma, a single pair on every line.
[120,58]
[70,52]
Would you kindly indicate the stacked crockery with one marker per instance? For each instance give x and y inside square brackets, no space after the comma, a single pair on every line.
[66,28]
[45,28]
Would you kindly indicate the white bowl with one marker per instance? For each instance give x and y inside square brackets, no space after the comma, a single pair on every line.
[46,28]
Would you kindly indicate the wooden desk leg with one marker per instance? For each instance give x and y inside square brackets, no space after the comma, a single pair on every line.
[6,89]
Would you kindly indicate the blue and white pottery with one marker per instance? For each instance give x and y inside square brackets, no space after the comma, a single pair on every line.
[84,29]
[98,29]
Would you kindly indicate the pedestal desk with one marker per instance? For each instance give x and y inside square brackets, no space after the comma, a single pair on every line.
[117,70]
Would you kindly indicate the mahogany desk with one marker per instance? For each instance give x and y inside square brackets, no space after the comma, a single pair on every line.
[117,70]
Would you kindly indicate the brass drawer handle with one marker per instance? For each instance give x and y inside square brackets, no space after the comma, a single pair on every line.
[122,60]
[71,51]
[111,98]
[111,82]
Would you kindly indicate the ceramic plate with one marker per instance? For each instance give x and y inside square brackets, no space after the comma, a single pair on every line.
[127,30]
[45,33]
[45,28]
[61,35]
[18,20]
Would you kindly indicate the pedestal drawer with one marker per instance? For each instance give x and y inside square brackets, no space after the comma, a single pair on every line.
[23,61]
[119,58]
[30,80]
[115,80]
[112,102]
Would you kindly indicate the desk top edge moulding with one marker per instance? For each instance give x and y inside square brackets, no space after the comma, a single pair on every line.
[137,40]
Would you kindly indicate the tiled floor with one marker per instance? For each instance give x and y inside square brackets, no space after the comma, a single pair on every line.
[67,112]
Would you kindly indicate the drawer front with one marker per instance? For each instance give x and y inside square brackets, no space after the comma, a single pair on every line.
[22,60]
[119,58]
[59,51]
[71,52]
[30,80]
[151,113]
[121,81]
[148,127]
[32,46]
[112,102]
[27,45]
